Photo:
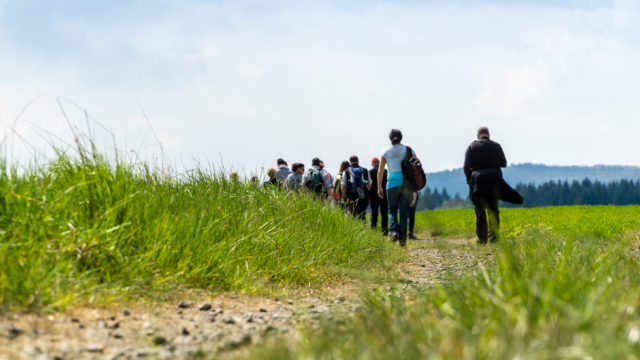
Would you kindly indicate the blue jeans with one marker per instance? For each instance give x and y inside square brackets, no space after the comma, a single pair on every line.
[398,200]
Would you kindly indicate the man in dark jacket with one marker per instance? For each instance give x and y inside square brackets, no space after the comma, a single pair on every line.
[482,168]
[376,202]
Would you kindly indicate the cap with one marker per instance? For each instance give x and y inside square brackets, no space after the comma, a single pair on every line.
[375,159]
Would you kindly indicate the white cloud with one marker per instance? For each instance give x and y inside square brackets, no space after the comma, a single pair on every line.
[295,81]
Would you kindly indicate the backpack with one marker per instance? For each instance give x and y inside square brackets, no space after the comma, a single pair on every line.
[413,175]
[315,182]
[356,181]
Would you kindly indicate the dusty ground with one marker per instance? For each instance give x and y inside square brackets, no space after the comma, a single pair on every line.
[200,324]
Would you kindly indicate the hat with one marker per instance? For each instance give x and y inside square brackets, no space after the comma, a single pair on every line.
[375,159]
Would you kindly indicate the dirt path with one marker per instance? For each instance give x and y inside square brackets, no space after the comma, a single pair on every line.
[205,324]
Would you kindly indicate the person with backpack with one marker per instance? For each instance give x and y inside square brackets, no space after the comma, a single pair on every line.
[293,182]
[283,171]
[355,186]
[318,182]
[483,161]
[337,184]
[397,159]
[376,203]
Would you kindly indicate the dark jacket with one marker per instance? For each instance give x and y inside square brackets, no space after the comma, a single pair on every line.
[483,154]
[482,168]
[373,175]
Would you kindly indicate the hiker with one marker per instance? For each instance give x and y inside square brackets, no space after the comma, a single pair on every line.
[283,171]
[355,186]
[375,202]
[271,173]
[293,182]
[412,215]
[482,168]
[337,184]
[317,181]
[325,192]
[398,197]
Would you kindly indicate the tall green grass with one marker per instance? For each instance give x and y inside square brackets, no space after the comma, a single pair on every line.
[565,285]
[82,228]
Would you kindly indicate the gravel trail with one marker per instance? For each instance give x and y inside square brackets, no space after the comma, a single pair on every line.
[219,325]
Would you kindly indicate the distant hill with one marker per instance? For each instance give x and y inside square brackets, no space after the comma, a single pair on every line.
[454,181]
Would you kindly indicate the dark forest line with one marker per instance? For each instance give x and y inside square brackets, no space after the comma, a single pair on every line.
[550,193]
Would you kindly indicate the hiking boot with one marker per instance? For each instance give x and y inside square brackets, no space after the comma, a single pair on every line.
[385,232]
[481,242]
[394,236]
[412,237]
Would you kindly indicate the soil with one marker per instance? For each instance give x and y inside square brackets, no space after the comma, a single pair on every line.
[202,324]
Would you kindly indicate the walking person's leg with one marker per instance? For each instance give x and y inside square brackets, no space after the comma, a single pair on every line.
[412,221]
[403,209]
[375,205]
[494,220]
[361,209]
[393,197]
[384,216]
[481,218]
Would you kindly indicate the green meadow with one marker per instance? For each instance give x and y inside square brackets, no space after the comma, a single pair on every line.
[86,230]
[563,283]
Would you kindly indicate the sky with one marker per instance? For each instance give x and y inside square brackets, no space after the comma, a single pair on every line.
[238,84]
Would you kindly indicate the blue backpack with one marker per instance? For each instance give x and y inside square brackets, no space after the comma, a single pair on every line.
[356,180]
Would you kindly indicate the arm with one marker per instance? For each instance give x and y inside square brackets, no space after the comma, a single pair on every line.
[383,163]
[414,198]
[328,184]
[343,184]
[369,182]
[467,164]
[501,158]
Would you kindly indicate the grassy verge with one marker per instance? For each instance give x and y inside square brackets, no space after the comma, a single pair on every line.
[84,229]
[564,285]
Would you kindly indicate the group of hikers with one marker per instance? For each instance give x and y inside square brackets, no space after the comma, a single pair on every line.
[391,186]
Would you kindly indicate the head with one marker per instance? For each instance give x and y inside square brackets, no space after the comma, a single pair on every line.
[315,162]
[298,167]
[344,166]
[321,164]
[483,131]
[271,172]
[375,162]
[234,176]
[353,160]
[395,136]
[281,162]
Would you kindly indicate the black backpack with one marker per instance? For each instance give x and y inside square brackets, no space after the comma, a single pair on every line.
[413,175]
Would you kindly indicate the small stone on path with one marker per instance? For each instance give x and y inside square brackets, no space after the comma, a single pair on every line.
[95,348]
[185,304]
[160,340]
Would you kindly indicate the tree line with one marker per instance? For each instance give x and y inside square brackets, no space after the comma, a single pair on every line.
[550,193]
